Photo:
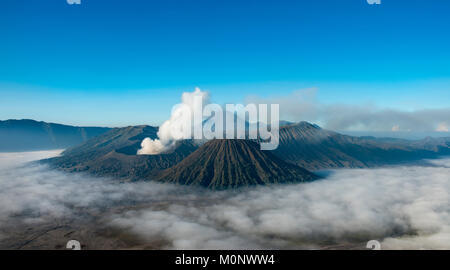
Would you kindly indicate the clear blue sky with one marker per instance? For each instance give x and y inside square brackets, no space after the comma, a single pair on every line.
[120,62]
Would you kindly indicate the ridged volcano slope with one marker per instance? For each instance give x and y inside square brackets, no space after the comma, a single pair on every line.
[114,154]
[224,164]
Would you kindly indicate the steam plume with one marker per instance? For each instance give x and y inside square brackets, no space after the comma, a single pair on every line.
[178,127]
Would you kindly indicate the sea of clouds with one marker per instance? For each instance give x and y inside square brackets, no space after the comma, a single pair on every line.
[404,207]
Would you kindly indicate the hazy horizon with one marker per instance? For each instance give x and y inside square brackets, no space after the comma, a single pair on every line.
[378,134]
[345,66]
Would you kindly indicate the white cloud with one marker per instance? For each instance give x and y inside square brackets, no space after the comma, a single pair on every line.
[403,207]
[442,127]
[303,105]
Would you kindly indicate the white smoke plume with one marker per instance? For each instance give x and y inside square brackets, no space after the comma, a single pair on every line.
[178,127]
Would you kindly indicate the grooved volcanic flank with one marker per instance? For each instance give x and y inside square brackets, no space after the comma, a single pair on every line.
[223,164]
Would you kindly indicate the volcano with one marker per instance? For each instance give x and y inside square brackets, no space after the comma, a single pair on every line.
[114,154]
[228,164]
[221,164]
[313,148]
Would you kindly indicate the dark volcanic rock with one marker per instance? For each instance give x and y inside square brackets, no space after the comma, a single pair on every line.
[114,154]
[314,148]
[224,164]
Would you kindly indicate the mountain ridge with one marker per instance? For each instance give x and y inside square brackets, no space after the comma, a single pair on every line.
[225,164]
[303,145]
[114,154]
[309,146]
[31,135]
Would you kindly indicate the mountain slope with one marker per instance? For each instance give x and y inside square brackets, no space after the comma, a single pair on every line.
[29,135]
[223,164]
[114,154]
[314,148]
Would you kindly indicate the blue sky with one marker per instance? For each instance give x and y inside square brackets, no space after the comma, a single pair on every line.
[120,62]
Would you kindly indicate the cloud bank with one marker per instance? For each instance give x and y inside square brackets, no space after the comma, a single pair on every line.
[303,105]
[404,207]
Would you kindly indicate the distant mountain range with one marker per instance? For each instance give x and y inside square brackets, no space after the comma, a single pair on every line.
[314,148]
[30,135]
[222,164]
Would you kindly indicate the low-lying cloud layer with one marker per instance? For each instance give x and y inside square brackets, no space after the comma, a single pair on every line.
[405,207]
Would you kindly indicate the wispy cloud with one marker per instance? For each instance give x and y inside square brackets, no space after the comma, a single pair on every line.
[304,105]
